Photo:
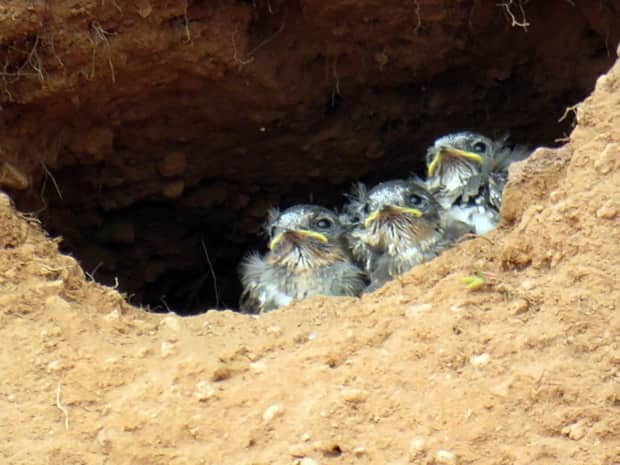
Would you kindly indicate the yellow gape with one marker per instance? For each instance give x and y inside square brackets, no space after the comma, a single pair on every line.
[299,232]
[374,215]
[453,153]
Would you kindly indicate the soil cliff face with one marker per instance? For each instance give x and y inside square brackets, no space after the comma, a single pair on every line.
[521,371]
[147,131]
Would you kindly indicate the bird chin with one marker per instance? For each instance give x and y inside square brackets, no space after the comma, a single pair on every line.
[399,235]
[302,256]
[452,179]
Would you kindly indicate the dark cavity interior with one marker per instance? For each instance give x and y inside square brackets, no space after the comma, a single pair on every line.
[157,160]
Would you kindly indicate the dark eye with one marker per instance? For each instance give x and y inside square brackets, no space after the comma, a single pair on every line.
[415,199]
[324,223]
[480,147]
[366,209]
[272,231]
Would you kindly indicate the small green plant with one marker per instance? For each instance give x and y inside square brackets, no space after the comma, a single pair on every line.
[475,282]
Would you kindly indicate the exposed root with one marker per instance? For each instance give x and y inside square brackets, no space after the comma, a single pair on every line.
[507,8]
[53,48]
[336,89]
[188,33]
[116,5]
[212,271]
[101,35]
[251,53]
[91,275]
[33,61]
[574,109]
[49,174]
[61,407]
[418,15]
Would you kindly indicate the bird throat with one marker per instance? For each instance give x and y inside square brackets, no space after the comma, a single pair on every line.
[305,255]
[401,234]
[455,177]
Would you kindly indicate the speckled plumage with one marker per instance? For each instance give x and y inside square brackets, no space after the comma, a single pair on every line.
[388,237]
[308,257]
[467,175]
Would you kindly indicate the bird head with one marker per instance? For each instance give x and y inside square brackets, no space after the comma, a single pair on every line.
[465,152]
[398,214]
[304,236]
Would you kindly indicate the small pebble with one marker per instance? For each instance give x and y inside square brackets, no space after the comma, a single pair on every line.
[170,322]
[417,444]
[417,310]
[114,315]
[479,360]
[445,457]
[143,352]
[103,438]
[608,159]
[306,461]
[204,391]
[55,365]
[166,348]
[258,367]
[275,330]
[300,450]
[607,212]
[354,395]
[519,307]
[359,451]
[272,412]
[576,431]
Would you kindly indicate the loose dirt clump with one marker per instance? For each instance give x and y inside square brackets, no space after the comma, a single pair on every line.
[522,370]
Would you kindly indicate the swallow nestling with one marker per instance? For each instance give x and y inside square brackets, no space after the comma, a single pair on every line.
[467,173]
[399,225]
[307,256]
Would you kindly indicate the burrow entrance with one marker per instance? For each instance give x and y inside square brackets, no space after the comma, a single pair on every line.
[158,162]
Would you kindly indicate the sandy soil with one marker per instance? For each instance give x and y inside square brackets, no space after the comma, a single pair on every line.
[122,114]
[523,371]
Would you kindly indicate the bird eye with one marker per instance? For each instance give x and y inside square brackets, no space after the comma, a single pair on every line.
[415,199]
[323,223]
[366,209]
[480,147]
[272,231]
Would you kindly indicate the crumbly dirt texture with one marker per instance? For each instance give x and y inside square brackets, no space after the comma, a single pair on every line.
[524,370]
[521,371]
[146,131]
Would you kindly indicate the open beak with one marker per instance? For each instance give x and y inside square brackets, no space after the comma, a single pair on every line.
[391,210]
[451,152]
[300,234]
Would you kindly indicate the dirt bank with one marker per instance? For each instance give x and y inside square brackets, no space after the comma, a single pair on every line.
[523,371]
[147,131]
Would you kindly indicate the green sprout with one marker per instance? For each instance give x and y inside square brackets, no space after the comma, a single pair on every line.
[474,282]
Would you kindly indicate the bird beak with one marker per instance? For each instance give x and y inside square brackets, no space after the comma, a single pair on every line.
[452,152]
[300,233]
[391,210]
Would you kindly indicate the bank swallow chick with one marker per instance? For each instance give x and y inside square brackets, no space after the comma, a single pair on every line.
[307,256]
[400,225]
[467,173]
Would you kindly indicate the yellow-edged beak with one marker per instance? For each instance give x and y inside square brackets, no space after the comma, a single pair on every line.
[391,209]
[452,152]
[298,232]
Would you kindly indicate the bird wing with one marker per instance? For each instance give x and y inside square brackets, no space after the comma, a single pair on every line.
[252,270]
